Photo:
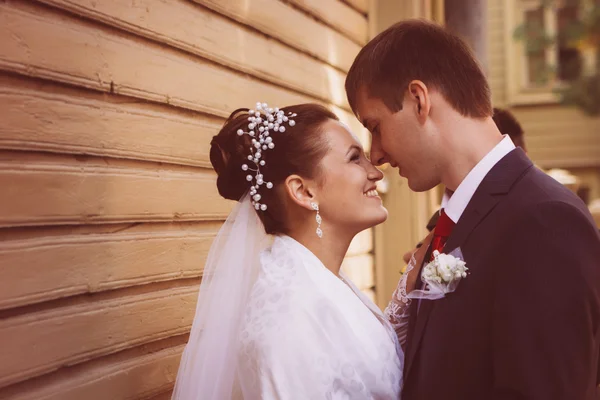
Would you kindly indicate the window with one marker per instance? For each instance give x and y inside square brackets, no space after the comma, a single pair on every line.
[570,64]
[544,56]
[536,30]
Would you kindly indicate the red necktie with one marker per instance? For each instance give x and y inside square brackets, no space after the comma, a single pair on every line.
[442,231]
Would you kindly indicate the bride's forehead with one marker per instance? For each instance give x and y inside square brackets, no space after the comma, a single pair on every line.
[341,135]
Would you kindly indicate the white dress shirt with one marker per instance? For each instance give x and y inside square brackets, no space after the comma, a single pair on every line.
[454,205]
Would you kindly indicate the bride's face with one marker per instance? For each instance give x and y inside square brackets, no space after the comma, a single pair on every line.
[348,198]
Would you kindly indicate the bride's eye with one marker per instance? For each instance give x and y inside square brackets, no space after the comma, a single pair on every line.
[355,157]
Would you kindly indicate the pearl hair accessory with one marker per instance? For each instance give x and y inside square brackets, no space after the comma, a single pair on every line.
[261,123]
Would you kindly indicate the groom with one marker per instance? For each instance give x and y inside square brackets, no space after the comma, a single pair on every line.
[525,322]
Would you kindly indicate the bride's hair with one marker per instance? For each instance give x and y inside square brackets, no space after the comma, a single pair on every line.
[298,150]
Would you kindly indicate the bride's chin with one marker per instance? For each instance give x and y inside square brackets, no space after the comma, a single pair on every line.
[385,214]
[382,216]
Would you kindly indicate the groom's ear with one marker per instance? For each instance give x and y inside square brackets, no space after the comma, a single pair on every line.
[421,101]
[300,191]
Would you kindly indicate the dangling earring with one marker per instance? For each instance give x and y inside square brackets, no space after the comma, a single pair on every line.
[315,207]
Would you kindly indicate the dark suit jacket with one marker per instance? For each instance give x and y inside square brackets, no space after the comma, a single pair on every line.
[525,323]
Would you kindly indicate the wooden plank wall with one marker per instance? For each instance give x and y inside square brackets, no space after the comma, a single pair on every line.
[108,204]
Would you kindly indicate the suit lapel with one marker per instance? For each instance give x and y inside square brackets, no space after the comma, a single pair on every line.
[492,189]
[490,192]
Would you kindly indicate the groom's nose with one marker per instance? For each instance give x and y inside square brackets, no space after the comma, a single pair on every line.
[377,155]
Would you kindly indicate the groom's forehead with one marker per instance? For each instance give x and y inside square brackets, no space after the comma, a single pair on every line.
[366,107]
[361,103]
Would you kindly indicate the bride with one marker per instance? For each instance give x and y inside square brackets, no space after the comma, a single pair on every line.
[276,318]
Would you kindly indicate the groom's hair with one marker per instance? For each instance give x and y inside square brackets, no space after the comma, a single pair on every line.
[421,50]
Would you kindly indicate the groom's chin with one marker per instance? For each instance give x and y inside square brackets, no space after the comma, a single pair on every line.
[420,186]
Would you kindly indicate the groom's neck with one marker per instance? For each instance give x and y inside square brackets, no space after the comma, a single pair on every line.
[465,144]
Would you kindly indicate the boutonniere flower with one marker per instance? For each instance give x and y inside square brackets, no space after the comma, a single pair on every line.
[441,276]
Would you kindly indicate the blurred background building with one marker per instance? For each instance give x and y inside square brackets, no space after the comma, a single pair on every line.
[108,203]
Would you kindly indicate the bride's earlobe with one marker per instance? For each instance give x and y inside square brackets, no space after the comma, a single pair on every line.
[298,190]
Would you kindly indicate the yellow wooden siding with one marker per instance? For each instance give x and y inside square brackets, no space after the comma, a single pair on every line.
[58,190]
[100,125]
[338,15]
[361,6]
[291,26]
[99,258]
[109,204]
[141,372]
[558,136]
[194,29]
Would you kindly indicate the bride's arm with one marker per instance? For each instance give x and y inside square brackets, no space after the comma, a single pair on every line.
[398,309]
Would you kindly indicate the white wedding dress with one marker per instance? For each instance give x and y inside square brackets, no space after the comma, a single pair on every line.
[272,322]
[307,334]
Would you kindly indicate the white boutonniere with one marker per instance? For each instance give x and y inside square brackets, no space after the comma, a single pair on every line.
[441,276]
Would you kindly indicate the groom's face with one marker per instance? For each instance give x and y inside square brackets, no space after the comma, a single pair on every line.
[400,139]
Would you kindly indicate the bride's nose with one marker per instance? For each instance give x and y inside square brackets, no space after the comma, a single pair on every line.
[373,173]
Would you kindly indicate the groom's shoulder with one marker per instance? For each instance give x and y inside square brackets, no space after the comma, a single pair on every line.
[539,197]
[536,188]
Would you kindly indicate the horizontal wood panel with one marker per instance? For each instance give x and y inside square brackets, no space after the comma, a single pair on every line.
[279,20]
[104,62]
[40,116]
[360,270]
[68,190]
[193,28]
[559,136]
[561,143]
[146,376]
[40,342]
[557,159]
[360,5]
[339,15]
[554,114]
[55,266]
[103,59]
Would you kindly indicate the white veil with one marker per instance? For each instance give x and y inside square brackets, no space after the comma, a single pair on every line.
[208,365]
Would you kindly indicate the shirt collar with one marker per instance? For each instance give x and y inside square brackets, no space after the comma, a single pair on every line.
[454,204]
